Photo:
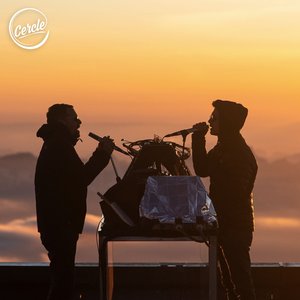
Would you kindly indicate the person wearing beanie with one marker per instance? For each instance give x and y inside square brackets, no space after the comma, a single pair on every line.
[232,169]
[61,181]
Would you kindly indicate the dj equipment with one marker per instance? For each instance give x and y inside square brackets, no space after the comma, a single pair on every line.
[157,200]
[176,199]
[157,188]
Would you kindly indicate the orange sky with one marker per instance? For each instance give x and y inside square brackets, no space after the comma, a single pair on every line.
[154,67]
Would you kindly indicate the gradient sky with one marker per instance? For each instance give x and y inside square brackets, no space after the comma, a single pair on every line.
[135,68]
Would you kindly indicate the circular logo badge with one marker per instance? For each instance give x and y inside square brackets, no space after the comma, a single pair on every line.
[28,28]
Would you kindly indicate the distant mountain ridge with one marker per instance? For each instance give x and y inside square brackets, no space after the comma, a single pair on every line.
[276,191]
[17,175]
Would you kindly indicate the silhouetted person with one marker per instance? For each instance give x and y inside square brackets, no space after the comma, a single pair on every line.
[61,181]
[232,169]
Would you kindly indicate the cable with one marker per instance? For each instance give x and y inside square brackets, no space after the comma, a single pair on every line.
[97,231]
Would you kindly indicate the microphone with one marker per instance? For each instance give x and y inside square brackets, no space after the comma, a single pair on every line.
[100,139]
[182,132]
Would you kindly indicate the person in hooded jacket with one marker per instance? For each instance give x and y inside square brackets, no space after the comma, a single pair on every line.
[61,181]
[232,169]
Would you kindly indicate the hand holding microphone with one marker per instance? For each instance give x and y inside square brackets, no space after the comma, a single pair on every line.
[201,128]
[106,142]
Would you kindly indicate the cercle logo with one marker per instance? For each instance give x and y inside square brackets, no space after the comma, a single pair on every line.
[28,28]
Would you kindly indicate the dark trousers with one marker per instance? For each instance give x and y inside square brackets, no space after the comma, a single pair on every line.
[61,247]
[235,263]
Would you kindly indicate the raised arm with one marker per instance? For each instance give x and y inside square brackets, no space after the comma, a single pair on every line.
[199,153]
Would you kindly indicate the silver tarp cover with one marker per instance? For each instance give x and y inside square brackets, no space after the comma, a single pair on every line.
[170,197]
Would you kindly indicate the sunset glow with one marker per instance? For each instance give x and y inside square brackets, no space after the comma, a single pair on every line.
[286,223]
[158,62]
[133,69]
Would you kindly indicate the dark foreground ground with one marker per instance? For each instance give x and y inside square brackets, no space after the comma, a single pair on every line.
[155,282]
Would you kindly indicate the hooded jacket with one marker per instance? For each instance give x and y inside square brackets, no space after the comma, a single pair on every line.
[61,180]
[231,166]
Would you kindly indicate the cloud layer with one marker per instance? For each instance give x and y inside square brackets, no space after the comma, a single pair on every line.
[276,202]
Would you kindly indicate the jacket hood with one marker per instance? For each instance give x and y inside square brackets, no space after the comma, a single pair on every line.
[55,131]
[232,116]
